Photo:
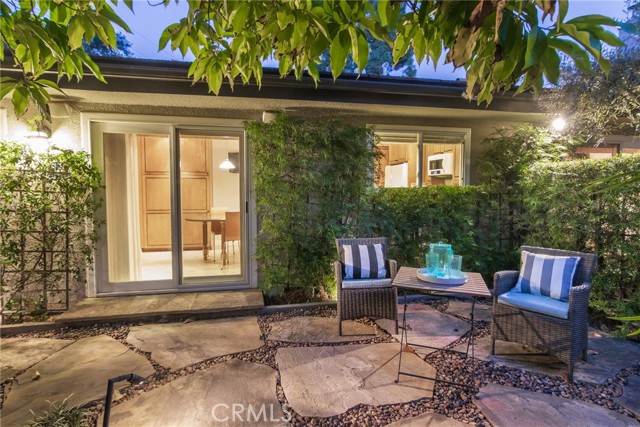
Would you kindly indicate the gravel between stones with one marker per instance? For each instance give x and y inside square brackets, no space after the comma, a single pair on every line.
[451,401]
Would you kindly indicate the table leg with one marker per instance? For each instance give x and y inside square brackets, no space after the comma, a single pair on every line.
[205,240]
[223,252]
[471,342]
[403,333]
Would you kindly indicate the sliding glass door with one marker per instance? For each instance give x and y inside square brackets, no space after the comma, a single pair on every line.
[174,208]
[212,206]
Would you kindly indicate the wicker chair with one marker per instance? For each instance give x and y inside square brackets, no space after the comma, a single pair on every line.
[563,338]
[377,302]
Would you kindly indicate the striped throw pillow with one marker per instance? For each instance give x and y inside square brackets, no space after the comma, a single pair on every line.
[364,261]
[546,275]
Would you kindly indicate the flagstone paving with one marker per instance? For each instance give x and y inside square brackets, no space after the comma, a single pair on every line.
[427,326]
[321,374]
[176,345]
[313,329]
[79,371]
[508,406]
[463,308]
[630,398]
[19,354]
[607,355]
[207,398]
[428,420]
[337,378]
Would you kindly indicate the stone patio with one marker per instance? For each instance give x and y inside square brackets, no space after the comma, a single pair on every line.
[176,345]
[207,398]
[606,355]
[320,330]
[508,406]
[19,354]
[427,326]
[338,378]
[79,372]
[324,379]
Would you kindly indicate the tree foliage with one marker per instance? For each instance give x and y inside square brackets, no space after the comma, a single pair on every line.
[498,42]
[97,48]
[596,103]
[509,153]
[380,61]
[44,35]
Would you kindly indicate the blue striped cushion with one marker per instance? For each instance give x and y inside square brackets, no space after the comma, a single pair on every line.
[546,275]
[364,261]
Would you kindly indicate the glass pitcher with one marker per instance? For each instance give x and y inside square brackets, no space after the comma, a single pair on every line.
[445,253]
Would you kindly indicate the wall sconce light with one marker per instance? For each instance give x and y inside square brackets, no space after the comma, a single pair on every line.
[133,379]
[38,128]
[558,124]
[268,116]
[42,132]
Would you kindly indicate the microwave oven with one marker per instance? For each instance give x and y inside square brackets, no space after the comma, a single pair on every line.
[440,165]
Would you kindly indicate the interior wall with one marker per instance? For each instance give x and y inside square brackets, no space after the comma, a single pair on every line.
[226,185]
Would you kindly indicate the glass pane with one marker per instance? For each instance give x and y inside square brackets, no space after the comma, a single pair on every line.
[442,164]
[398,165]
[138,205]
[210,206]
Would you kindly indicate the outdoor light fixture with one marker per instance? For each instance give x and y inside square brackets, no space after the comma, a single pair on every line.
[133,379]
[42,131]
[226,164]
[559,124]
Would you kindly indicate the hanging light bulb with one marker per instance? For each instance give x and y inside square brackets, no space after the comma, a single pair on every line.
[226,164]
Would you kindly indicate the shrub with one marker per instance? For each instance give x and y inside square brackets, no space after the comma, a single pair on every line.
[414,217]
[310,177]
[58,415]
[47,226]
[564,210]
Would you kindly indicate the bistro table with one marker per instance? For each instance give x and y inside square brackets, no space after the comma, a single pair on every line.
[406,280]
[205,220]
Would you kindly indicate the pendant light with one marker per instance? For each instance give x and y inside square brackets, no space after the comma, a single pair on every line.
[226,164]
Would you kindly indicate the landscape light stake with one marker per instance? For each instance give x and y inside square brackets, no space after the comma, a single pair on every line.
[133,379]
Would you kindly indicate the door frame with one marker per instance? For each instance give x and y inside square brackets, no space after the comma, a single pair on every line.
[92,125]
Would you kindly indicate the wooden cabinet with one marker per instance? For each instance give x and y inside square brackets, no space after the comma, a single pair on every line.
[155,190]
[381,162]
[397,154]
[431,149]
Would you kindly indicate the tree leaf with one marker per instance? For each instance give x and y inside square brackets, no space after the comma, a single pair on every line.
[594,20]
[240,15]
[319,44]
[313,71]
[75,32]
[20,100]
[463,47]
[363,52]
[339,52]
[536,45]
[551,65]
[6,86]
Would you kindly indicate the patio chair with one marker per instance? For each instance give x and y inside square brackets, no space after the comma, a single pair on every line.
[365,295]
[545,314]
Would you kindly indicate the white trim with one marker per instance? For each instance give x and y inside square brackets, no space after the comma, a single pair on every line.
[465,133]
[171,124]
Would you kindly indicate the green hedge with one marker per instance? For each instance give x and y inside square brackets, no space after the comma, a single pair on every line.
[564,209]
[414,217]
[310,177]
